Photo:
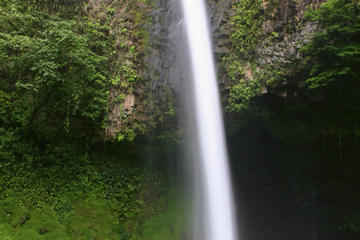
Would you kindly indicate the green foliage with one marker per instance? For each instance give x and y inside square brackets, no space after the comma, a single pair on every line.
[334,53]
[316,121]
[87,196]
[52,83]
[169,224]
[246,27]
[246,34]
[242,90]
[332,60]
[242,93]
[129,74]
[56,68]
[274,75]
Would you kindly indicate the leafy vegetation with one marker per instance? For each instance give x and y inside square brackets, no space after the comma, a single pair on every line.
[91,197]
[246,27]
[335,52]
[52,82]
[312,114]
[58,65]
[240,64]
[65,63]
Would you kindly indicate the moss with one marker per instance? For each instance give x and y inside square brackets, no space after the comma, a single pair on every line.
[246,33]
[99,196]
[246,27]
[247,67]
[170,224]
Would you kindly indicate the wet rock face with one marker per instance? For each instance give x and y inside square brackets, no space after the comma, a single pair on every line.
[278,54]
[161,64]
[141,62]
[285,48]
[122,28]
[257,47]
[220,12]
[289,31]
[284,31]
[157,62]
[287,42]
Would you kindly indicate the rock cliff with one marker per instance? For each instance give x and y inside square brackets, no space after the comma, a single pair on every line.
[256,43]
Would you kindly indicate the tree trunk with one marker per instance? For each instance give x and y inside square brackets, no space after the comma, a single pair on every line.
[325,149]
[340,143]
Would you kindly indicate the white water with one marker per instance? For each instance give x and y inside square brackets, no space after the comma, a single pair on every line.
[218,217]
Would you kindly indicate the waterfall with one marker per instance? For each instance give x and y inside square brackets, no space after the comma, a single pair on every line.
[218,214]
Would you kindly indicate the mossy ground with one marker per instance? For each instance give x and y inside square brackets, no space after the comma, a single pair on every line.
[103,196]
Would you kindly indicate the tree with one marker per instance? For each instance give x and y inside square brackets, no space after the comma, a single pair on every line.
[53,87]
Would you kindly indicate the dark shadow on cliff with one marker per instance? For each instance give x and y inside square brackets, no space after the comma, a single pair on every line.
[281,195]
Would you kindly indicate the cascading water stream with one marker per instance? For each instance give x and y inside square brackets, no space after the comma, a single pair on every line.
[218,216]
